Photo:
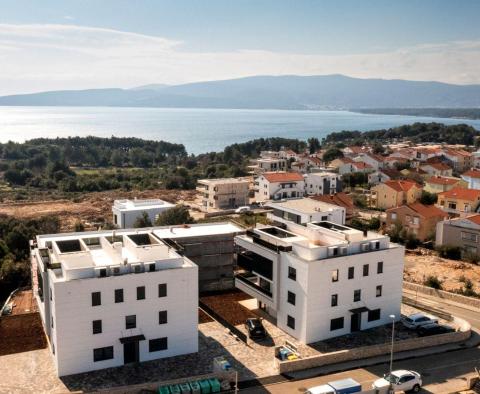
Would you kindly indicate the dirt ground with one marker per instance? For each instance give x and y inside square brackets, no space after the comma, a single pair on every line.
[450,272]
[92,209]
[227,305]
[21,333]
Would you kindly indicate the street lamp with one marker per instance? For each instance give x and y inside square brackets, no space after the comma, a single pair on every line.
[393,337]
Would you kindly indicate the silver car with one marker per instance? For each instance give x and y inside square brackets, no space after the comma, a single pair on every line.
[417,320]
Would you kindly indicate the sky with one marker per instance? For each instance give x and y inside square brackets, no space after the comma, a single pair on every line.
[82,44]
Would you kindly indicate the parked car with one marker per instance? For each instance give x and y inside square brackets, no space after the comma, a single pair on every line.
[433,329]
[243,209]
[343,386]
[418,319]
[401,380]
[255,328]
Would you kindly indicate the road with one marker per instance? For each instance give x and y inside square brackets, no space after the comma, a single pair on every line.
[442,373]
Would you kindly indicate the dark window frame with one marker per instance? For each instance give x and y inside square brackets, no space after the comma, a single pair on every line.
[335,275]
[380,267]
[96,298]
[292,273]
[96,327]
[130,325]
[291,322]
[366,269]
[291,297]
[378,291]
[158,344]
[118,294]
[334,300]
[162,290]
[163,317]
[374,315]
[337,323]
[351,272]
[140,293]
[103,353]
[357,295]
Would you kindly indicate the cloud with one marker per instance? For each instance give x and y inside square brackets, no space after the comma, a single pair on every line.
[46,57]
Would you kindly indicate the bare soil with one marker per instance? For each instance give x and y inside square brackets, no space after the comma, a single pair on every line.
[227,305]
[21,333]
[91,209]
[422,263]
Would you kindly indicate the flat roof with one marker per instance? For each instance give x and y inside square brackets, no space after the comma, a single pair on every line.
[197,230]
[303,205]
[223,180]
[141,205]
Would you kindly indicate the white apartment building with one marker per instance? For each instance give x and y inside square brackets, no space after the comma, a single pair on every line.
[268,164]
[278,186]
[305,210]
[125,212]
[223,193]
[110,298]
[322,183]
[321,280]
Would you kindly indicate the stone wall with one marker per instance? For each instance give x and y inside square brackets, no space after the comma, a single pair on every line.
[474,302]
[376,350]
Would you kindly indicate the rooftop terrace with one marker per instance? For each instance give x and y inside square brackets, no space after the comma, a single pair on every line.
[132,205]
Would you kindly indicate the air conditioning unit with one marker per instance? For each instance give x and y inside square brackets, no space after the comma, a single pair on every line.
[365,247]
[115,269]
[343,250]
[136,268]
[332,251]
[101,272]
[374,245]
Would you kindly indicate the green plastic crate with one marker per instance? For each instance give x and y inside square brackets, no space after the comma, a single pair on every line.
[174,389]
[185,388]
[195,387]
[204,386]
[163,390]
[215,385]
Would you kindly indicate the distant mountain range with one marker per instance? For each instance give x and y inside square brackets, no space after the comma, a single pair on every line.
[269,92]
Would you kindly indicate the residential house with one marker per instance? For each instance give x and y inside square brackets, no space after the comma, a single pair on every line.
[383,175]
[373,160]
[437,169]
[279,185]
[460,159]
[416,174]
[439,184]
[321,280]
[268,164]
[459,201]
[463,232]
[353,151]
[423,153]
[126,212]
[223,193]
[417,219]
[109,298]
[395,193]
[322,183]
[304,210]
[473,178]
[393,162]
[346,165]
[341,199]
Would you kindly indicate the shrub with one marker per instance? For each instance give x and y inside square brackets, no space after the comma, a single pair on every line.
[450,252]
[433,282]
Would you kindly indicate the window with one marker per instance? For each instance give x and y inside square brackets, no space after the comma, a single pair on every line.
[374,314]
[130,322]
[365,269]
[379,291]
[162,317]
[162,290]
[140,292]
[468,236]
[351,272]
[155,345]
[416,220]
[336,324]
[292,273]
[291,322]
[334,300]
[394,216]
[118,296]
[380,267]
[103,353]
[335,276]
[96,298]
[96,327]
[151,267]
[291,298]
[52,321]
[357,295]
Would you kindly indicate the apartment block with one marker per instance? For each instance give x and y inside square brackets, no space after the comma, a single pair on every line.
[126,212]
[322,183]
[461,232]
[278,186]
[321,280]
[223,193]
[111,298]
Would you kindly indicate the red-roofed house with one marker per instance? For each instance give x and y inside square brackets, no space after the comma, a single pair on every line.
[417,219]
[462,232]
[473,178]
[350,166]
[279,185]
[341,199]
[460,159]
[395,193]
[371,159]
[459,201]
[437,168]
[439,184]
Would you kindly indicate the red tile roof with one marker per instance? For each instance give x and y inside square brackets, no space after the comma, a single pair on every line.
[438,166]
[462,194]
[361,165]
[456,152]
[340,199]
[283,176]
[401,186]
[427,211]
[440,180]
[472,173]
[474,218]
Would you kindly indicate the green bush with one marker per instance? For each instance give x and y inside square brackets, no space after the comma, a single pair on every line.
[449,252]
[433,282]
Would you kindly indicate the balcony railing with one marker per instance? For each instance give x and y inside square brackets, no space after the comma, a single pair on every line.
[266,244]
[243,278]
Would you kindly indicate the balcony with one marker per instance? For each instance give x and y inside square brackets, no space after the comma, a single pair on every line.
[267,244]
[246,283]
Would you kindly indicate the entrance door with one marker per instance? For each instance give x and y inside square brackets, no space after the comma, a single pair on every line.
[355,322]
[130,352]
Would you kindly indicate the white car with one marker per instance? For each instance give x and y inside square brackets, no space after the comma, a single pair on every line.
[418,319]
[401,380]
[243,209]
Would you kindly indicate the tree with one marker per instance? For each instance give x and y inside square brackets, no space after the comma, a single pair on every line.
[332,154]
[79,227]
[433,282]
[428,198]
[142,221]
[313,145]
[173,216]
[378,148]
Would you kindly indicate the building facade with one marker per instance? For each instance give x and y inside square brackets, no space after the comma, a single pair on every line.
[279,186]
[223,193]
[126,212]
[395,193]
[111,298]
[459,202]
[461,232]
[321,280]
[440,184]
[472,177]
[322,183]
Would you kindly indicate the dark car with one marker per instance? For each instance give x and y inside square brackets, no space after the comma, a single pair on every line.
[433,329]
[255,328]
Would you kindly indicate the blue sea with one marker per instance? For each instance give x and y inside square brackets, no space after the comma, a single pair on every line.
[200,130]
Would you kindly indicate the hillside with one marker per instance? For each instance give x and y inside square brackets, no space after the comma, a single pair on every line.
[272,92]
